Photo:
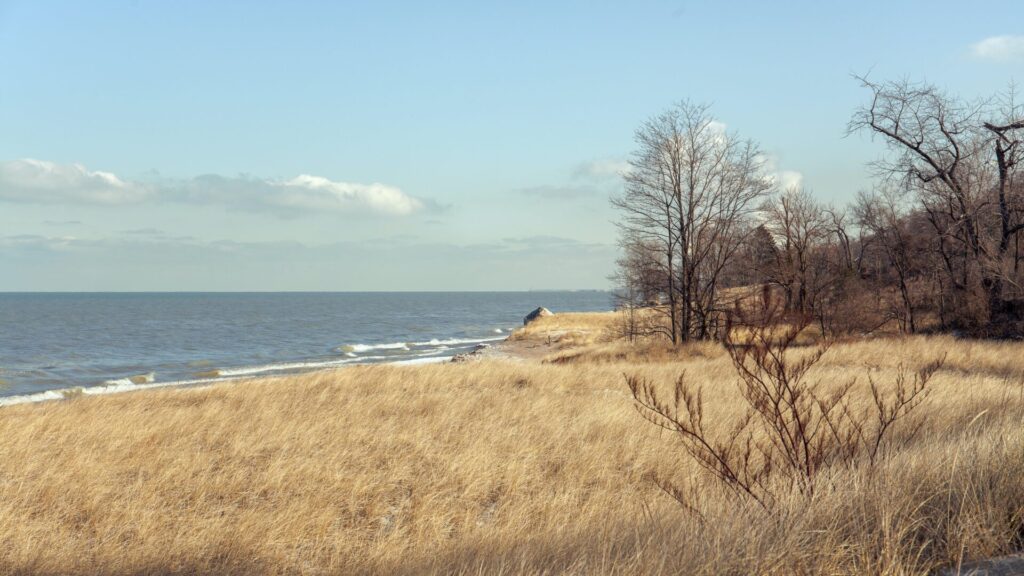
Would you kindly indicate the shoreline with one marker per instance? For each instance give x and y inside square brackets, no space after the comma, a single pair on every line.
[529,444]
[494,349]
[529,343]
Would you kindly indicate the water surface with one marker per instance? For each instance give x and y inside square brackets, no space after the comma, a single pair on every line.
[58,341]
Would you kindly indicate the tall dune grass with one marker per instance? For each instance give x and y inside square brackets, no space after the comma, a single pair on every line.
[495,467]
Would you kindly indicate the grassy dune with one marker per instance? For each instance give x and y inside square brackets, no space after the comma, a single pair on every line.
[496,467]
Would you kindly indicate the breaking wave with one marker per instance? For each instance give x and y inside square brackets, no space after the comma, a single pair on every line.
[294,366]
[457,341]
[431,351]
[111,387]
[354,349]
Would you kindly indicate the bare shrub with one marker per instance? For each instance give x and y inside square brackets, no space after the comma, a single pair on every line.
[793,427]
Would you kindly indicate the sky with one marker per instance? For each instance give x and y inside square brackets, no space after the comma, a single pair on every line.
[229,145]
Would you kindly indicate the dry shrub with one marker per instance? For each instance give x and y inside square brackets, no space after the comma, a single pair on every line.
[792,428]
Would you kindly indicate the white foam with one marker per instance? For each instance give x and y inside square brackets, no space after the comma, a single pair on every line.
[439,354]
[29,398]
[456,341]
[418,361]
[250,370]
[367,347]
[405,346]
[114,387]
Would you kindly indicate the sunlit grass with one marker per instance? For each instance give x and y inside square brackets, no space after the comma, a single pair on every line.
[496,467]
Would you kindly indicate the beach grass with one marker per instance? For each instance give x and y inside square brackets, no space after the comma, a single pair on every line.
[499,467]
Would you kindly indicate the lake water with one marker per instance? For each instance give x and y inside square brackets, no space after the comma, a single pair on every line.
[109,342]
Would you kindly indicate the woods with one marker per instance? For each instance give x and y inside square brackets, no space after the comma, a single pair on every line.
[933,246]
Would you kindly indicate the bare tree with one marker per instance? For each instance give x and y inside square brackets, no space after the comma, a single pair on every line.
[691,189]
[962,170]
[641,281]
[941,239]
[1007,133]
[756,261]
[647,205]
[799,226]
[884,215]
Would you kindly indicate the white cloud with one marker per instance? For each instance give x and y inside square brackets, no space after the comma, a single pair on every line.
[999,48]
[783,179]
[41,182]
[787,179]
[316,193]
[303,193]
[718,127]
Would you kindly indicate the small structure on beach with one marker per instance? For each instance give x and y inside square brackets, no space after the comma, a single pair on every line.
[538,313]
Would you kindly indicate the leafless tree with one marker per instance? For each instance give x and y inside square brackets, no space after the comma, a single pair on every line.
[961,168]
[647,211]
[838,228]
[798,223]
[884,215]
[691,189]
[1007,133]
[939,242]
[641,281]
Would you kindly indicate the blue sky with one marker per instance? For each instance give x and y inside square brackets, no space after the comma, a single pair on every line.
[415,146]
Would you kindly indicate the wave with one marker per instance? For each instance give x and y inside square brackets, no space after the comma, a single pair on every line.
[356,348]
[428,352]
[352,349]
[418,361]
[114,387]
[139,379]
[456,341]
[285,366]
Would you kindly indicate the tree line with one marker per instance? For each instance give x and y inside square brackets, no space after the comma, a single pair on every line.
[934,245]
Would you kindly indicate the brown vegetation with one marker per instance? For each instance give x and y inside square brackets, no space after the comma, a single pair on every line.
[792,428]
[935,246]
[794,447]
[502,467]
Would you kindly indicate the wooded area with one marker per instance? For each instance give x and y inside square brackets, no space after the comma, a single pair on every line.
[934,246]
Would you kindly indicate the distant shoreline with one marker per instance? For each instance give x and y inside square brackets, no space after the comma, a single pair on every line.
[124,386]
[68,341]
[507,348]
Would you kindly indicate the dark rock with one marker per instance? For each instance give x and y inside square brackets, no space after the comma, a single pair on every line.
[467,356]
[538,313]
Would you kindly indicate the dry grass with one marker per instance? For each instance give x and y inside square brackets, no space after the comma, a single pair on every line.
[494,467]
[569,329]
[617,352]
